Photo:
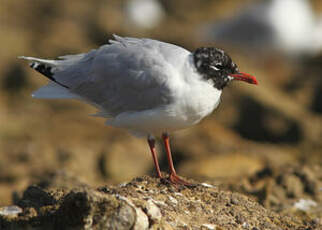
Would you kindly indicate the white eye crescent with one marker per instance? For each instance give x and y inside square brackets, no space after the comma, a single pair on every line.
[214,68]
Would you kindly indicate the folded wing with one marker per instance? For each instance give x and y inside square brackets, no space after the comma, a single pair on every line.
[128,74]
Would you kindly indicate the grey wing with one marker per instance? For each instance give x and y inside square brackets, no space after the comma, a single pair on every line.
[127,75]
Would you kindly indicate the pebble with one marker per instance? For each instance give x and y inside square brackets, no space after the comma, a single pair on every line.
[10,210]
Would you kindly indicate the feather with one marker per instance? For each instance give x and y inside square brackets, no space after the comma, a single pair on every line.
[53,91]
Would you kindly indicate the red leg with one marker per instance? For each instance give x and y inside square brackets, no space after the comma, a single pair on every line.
[174,178]
[151,142]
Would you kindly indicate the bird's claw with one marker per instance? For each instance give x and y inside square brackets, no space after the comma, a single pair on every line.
[176,180]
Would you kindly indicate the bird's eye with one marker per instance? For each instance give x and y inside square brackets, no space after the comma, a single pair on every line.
[218,66]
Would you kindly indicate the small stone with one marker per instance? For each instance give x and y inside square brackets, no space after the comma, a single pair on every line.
[12,210]
[153,211]
[207,185]
[234,200]
[172,201]
[142,221]
[305,205]
[208,227]
[245,225]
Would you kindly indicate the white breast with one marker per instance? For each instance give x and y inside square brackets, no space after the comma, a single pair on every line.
[196,100]
[186,112]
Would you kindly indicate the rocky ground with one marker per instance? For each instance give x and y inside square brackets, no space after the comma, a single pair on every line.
[60,202]
[261,150]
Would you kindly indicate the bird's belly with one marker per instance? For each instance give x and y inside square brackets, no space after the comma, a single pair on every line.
[186,112]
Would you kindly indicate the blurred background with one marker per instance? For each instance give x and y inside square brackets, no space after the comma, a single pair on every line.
[263,140]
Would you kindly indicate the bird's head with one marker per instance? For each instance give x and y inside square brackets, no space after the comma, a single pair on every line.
[216,66]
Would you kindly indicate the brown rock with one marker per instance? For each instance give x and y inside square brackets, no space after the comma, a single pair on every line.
[144,203]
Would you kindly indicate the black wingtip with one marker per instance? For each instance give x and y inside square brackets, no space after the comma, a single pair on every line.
[46,71]
[43,69]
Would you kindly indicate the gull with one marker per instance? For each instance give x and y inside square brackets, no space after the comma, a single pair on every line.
[146,86]
[288,27]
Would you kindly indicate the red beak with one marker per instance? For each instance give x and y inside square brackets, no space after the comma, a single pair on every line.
[244,77]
